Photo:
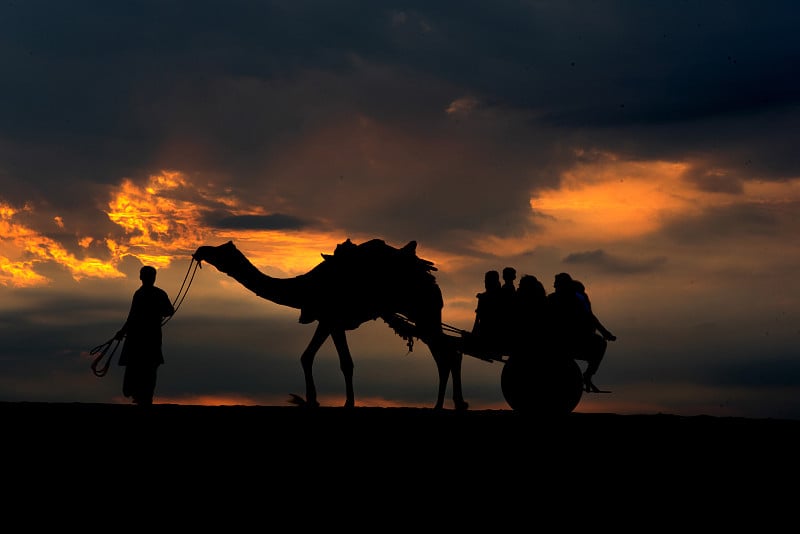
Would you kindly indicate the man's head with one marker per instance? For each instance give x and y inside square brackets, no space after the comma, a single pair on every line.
[562,281]
[509,274]
[491,279]
[147,275]
[528,282]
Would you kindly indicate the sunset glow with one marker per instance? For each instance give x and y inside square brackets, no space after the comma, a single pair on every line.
[606,142]
[281,253]
[154,216]
[618,200]
[26,248]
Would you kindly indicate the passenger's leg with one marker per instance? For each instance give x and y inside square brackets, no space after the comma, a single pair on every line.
[595,349]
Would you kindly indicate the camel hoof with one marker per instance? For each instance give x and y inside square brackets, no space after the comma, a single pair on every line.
[462,405]
[297,400]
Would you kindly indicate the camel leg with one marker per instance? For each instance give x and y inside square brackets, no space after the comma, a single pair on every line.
[345,364]
[307,361]
[458,395]
[448,362]
[443,366]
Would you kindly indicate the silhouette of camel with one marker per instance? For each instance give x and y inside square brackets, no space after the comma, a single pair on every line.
[357,283]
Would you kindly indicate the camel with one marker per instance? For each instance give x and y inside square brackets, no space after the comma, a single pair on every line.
[355,284]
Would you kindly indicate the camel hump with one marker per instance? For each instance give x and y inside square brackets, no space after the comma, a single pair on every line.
[361,282]
[379,254]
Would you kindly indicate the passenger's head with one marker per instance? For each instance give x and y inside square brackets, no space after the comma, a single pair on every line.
[491,279]
[563,281]
[509,274]
[579,287]
[147,275]
[530,285]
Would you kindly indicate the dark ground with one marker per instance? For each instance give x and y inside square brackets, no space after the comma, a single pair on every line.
[468,466]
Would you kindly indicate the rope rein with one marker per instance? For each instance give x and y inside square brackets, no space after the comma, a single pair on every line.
[100,351]
[450,328]
[179,297]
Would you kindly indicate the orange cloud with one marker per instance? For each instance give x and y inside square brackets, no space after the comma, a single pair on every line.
[162,219]
[19,274]
[609,199]
[616,199]
[156,223]
[159,225]
[24,248]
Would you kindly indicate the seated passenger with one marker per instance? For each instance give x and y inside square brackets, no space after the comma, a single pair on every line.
[530,315]
[489,327]
[574,326]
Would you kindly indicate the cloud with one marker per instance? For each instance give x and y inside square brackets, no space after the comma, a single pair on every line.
[275,221]
[614,264]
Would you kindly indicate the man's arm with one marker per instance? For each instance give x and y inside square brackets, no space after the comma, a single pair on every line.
[167,310]
[608,336]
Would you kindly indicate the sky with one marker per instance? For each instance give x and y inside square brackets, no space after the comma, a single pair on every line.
[649,149]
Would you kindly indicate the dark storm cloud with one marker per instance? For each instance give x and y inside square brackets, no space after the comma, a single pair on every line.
[275,221]
[728,222]
[97,91]
[713,181]
[614,264]
[99,79]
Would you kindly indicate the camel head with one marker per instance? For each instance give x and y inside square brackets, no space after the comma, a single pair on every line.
[217,256]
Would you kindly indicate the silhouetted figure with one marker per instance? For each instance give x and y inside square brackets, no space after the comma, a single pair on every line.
[530,315]
[509,275]
[490,325]
[509,296]
[596,326]
[575,327]
[141,354]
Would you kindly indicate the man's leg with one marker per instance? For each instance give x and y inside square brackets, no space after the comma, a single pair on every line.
[595,349]
[148,384]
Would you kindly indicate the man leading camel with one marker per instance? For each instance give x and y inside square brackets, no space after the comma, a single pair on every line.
[141,354]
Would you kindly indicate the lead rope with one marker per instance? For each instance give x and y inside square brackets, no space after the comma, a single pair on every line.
[100,351]
[179,297]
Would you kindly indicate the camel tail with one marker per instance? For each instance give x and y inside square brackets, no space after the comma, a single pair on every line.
[402,327]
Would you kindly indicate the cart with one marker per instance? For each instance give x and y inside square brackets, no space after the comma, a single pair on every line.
[539,380]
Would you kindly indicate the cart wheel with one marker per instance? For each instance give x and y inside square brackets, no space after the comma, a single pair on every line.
[543,386]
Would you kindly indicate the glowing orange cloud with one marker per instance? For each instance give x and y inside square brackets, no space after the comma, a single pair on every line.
[23,248]
[156,224]
[159,224]
[608,199]
[19,274]
[620,199]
